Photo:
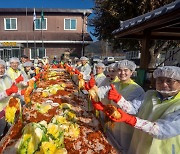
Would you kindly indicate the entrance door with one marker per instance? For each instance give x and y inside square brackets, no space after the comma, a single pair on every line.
[7,54]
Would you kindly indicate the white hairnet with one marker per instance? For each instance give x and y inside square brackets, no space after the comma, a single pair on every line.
[168,72]
[100,65]
[112,66]
[76,58]
[84,58]
[28,64]
[2,62]
[14,59]
[126,64]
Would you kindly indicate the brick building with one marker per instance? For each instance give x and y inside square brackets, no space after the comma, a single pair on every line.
[47,32]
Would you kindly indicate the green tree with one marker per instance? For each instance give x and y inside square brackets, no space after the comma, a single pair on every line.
[109,13]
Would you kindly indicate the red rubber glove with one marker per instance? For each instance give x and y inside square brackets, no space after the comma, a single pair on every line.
[37,76]
[129,119]
[54,66]
[70,69]
[87,86]
[113,94]
[19,79]
[98,105]
[77,71]
[23,91]
[92,82]
[12,89]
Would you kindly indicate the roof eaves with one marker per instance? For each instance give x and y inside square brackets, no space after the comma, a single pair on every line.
[50,10]
[124,25]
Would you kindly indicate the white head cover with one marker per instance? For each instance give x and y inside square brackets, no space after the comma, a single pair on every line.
[14,59]
[76,58]
[2,62]
[112,66]
[126,64]
[84,58]
[28,64]
[100,65]
[168,72]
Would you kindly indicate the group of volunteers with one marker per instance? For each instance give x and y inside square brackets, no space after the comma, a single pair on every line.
[149,121]
[14,78]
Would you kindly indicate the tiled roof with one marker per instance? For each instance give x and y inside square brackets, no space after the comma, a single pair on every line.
[127,24]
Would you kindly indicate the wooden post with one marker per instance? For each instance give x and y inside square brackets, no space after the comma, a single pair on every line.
[145,55]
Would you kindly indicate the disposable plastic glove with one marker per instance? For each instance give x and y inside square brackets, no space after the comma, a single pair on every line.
[113,94]
[98,105]
[19,79]
[12,89]
[129,119]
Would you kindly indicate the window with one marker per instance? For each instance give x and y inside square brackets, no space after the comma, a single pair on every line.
[10,23]
[40,52]
[39,25]
[70,24]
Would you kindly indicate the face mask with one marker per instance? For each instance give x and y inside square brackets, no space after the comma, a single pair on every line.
[167,92]
[1,76]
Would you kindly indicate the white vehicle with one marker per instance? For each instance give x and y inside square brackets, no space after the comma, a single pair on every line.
[96,59]
[108,60]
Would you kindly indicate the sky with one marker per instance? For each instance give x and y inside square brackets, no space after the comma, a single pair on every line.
[64,4]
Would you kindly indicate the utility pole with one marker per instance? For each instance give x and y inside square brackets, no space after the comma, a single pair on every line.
[27,46]
[106,47]
[82,51]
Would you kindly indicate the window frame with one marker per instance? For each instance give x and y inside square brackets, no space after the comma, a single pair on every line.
[41,28]
[70,23]
[5,28]
[37,49]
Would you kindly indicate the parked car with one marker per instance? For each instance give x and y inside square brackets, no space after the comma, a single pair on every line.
[96,59]
[108,60]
